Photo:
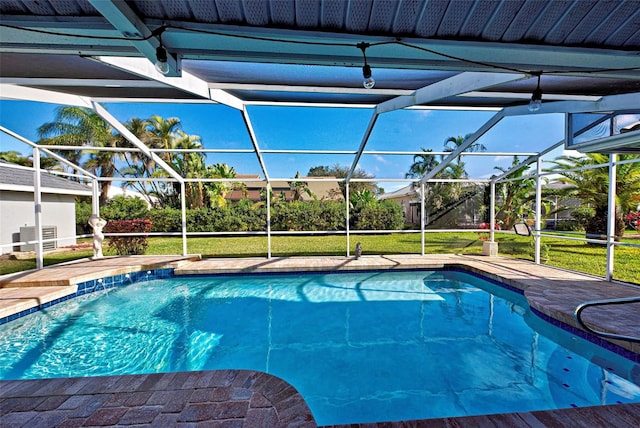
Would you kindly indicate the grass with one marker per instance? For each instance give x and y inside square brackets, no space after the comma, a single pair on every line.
[572,255]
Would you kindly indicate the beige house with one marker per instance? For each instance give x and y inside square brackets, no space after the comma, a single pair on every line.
[322,188]
[409,199]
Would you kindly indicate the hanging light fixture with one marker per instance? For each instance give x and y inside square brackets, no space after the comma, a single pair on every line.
[536,97]
[368,82]
[161,53]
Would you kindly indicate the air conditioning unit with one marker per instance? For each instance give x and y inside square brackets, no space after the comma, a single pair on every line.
[28,233]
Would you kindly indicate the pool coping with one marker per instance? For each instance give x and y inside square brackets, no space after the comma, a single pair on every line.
[525,277]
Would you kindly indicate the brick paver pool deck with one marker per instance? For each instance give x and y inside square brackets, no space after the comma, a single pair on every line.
[234,398]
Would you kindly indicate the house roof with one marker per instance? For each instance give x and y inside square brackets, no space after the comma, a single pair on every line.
[408,190]
[20,179]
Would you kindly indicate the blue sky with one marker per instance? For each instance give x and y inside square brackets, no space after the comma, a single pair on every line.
[316,128]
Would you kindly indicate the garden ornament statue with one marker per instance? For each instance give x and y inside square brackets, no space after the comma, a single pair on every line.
[358,250]
[97,224]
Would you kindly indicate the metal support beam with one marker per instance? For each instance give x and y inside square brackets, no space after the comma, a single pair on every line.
[422,219]
[268,220]
[125,20]
[48,152]
[102,112]
[538,212]
[254,141]
[95,197]
[187,82]
[611,215]
[492,212]
[529,160]
[183,217]
[15,92]
[37,206]
[458,84]
[347,219]
[469,141]
[363,144]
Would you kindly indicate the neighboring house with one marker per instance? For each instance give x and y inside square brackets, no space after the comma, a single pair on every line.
[322,190]
[128,193]
[567,205]
[462,214]
[17,212]
[409,199]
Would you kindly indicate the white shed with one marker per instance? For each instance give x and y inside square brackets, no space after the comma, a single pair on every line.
[17,212]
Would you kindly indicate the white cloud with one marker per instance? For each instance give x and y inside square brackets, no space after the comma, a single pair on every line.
[380,158]
[502,158]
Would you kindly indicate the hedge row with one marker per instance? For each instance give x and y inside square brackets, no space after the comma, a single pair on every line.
[246,215]
[290,216]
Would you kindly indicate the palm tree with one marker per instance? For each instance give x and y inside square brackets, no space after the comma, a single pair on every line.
[217,191]
[452,143]
[591,187]
[18,159]
[422,164]
[139,165]
[189,165]
[163,134]
[515,196]
[79,126]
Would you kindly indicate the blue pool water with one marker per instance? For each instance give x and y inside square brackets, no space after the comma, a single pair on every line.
[359,347]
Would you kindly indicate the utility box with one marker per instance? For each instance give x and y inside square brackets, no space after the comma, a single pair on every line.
[28,233]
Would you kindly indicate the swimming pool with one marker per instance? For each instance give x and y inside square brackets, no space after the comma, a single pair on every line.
[359,347]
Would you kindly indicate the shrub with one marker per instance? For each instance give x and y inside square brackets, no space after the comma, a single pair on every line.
[384,215]
[166,219]
[129,245]
[583,215]
[83,212]
[122,207]
[485,236]
[308,215]
[569,225]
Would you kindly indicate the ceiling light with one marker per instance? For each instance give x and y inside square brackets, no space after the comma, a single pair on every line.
[368,82]
[161,53]
[536,97]
[161,60]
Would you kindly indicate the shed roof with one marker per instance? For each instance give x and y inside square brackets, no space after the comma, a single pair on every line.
[20,179]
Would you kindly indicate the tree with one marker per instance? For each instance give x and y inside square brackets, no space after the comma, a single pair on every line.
[422,164]
[453,143]
[19,159]
[79,126]
[340,171]
[217,191]
[591,187]
[299,188]
[515,196]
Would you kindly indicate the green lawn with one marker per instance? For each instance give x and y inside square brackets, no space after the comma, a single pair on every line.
[572,255]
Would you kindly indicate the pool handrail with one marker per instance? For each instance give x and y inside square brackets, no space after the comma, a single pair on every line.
[618,301]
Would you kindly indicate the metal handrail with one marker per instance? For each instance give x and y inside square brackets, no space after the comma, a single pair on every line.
[619,301]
